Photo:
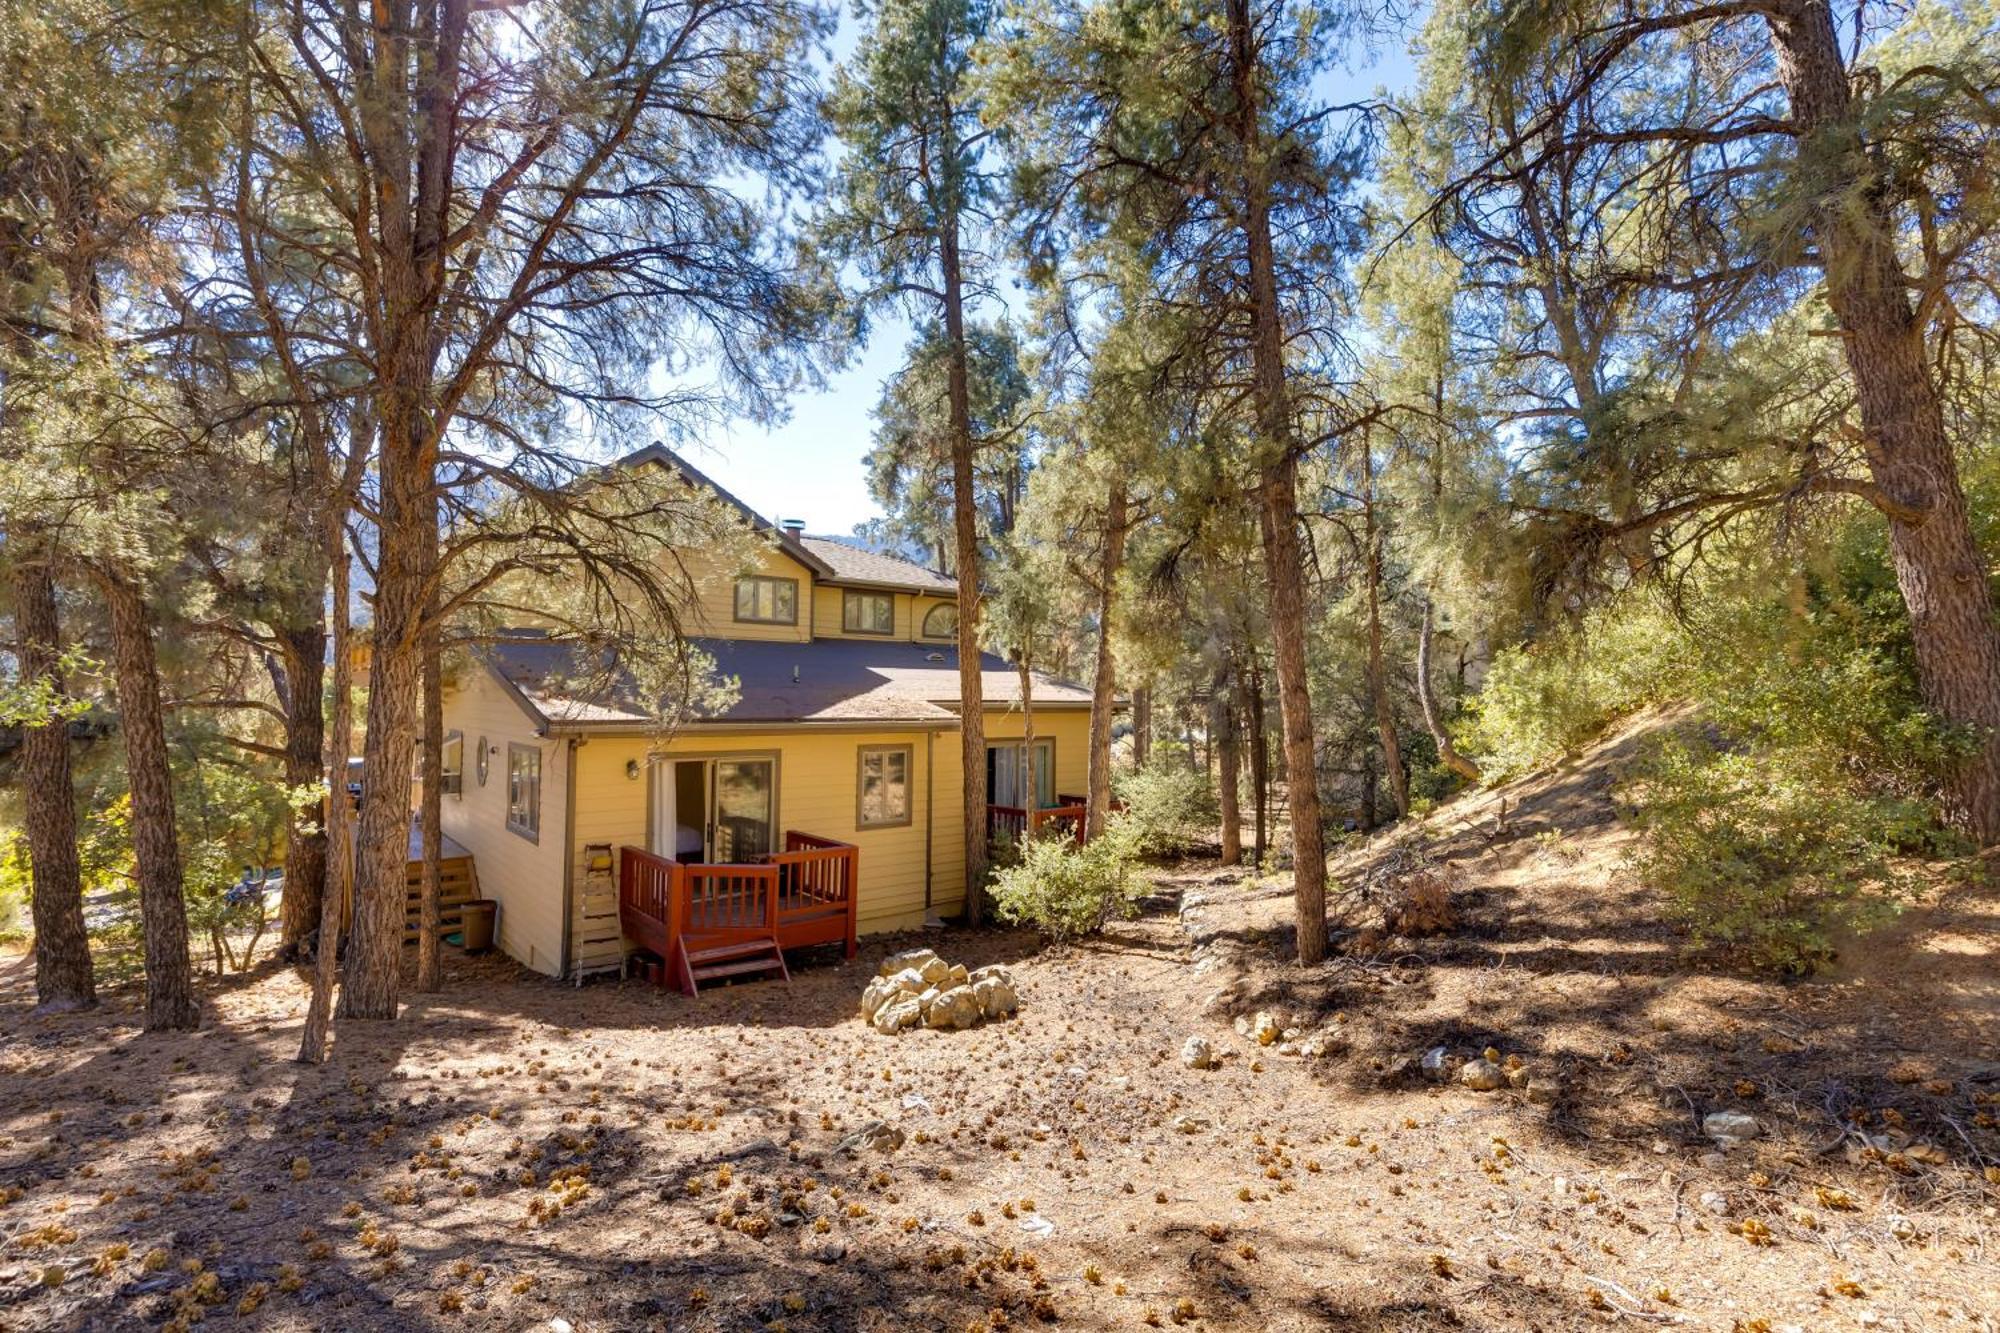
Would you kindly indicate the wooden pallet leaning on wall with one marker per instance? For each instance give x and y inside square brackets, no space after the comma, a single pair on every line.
[458,884]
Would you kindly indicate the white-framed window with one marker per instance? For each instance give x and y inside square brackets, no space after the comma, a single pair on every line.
[452,771]
[762,599]
[882,791]
[868,612]
[524,790]
[941,622]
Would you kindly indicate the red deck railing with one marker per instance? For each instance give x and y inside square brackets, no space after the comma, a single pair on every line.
[802,896]
[1015,823]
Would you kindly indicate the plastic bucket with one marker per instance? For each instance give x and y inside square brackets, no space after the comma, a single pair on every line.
[476,919]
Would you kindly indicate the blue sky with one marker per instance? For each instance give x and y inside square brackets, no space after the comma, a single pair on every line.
[809,467]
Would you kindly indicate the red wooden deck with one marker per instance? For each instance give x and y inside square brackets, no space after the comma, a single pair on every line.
[1013,823]
[712,921]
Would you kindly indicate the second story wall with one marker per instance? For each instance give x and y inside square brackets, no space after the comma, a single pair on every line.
[909,610]
[716,586]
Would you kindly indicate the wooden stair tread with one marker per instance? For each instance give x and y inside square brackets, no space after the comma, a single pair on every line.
[764,945]
[710,971]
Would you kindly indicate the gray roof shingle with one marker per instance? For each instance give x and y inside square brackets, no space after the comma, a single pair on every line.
[857,564]
[826,680]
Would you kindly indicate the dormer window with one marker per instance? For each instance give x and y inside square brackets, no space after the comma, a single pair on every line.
[941,622]
[868,612]
[763,600]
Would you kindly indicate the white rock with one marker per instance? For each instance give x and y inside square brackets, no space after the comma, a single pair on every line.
[898,1014]
[875,995]
[1543,1092]
[1190,1124]
[909,979]
[1714,1201]
[910,959]
[958,976]
[1264,1028]
[935,971]
[996,996]
[1196,1053]
[1729,1128]
[1433,1062]
[956,1008]
[1481,1075]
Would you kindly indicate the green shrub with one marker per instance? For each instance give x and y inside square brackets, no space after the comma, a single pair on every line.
[15,882]
[1544,701]
[1768,861]
[1067,891]
[1169,807]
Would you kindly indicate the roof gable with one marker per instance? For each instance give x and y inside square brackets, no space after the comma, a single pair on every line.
[659,454]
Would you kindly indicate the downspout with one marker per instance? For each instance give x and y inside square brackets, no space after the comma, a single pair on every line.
[569,857]
[930,823]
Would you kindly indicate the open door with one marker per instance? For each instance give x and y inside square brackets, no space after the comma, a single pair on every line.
[716,811]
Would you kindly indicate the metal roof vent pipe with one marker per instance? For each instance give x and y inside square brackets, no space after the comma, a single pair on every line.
[794,527]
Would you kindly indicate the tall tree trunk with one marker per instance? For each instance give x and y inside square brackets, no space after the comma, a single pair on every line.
[1939,567]
[170,999]
[1260,759]
[1278,512]
[339,842]
[64,980]
[1142,726]
[430,974]
[1368,779]
[1104,683]
[1427,697]
[1222,731]
[407,120]
[406,552]
[965,531]
[1027,674]
[1378,671]
[305,740]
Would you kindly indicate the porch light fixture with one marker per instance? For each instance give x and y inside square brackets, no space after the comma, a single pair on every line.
[632,770]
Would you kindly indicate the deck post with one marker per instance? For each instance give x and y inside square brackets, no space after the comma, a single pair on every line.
[675,962]
[853,899]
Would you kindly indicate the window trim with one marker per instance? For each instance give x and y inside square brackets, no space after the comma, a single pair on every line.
[1016,744]
[924,628]
[532,832]
[850,597]
[451,777]
[862,754]
[736,600]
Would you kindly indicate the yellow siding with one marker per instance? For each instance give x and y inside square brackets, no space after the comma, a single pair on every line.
[830,621]
[1069,728]
[816,779]
[526,877]
[715,589]
[818,771]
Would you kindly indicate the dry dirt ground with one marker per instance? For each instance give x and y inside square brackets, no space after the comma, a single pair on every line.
[516,1154]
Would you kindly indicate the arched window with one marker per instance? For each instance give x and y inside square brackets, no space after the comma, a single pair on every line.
[941,621]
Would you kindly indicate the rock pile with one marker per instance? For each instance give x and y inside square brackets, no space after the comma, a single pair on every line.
[916,988]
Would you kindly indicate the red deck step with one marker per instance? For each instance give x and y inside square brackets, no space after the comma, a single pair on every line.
[715,962]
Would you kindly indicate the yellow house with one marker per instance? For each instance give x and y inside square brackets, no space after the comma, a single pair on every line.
[822,804]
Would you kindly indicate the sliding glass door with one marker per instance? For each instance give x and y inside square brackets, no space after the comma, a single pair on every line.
[716,810]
